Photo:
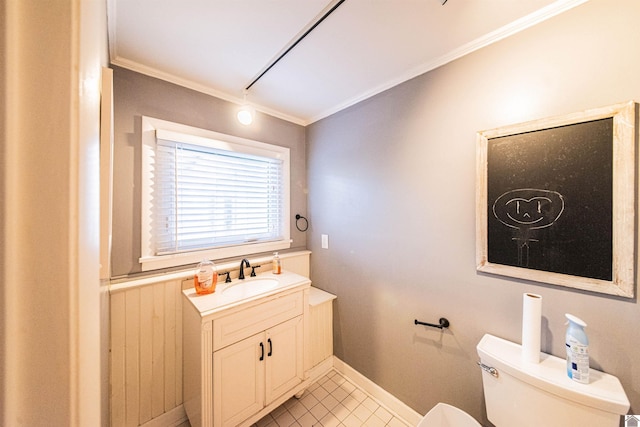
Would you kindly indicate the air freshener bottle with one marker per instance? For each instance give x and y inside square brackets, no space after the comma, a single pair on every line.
[205,278]
[577,350]
[277,264]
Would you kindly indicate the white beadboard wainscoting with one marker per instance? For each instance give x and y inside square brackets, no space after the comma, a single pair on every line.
[146,346]
[146,352]
[146,343]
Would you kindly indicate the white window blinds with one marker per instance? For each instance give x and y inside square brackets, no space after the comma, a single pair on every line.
[205,197]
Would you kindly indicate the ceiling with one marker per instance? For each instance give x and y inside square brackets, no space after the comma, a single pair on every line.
[362,48]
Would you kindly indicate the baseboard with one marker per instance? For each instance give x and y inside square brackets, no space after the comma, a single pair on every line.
[173,418]
[320,370]
[392,403]
[177,416]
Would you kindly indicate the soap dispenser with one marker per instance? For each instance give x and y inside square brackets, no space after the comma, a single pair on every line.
[205,278]
[277,264]
[577,345]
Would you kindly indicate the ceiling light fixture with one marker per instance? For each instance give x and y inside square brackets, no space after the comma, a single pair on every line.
[246,111]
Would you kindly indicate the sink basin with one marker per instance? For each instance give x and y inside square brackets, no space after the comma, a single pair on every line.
[240,291]
[249,287]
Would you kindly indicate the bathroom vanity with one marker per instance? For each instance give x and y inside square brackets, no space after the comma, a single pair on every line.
[245,348]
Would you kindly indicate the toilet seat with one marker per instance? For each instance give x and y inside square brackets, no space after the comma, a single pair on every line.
[444,415]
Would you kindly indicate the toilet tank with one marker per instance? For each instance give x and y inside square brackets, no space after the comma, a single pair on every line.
[520,393]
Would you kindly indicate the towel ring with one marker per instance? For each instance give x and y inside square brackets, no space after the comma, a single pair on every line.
[306,223]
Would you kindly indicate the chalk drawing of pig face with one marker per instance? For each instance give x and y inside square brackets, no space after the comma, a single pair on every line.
[528,208]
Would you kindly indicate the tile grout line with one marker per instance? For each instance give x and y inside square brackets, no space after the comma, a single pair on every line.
[393,413]
[311,409]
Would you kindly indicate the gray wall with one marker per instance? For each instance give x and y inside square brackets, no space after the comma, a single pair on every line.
[392,182]
[136,95]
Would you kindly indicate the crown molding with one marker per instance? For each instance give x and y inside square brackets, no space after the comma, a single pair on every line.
[190,84]
[510,29]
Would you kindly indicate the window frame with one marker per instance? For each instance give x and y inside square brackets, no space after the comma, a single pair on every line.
[193,135]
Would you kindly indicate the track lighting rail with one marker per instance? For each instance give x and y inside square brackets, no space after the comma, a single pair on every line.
[295,43]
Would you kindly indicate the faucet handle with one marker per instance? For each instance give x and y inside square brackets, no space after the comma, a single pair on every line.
[228,279]
[253,270]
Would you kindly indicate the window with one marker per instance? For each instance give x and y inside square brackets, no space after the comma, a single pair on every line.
[210,195]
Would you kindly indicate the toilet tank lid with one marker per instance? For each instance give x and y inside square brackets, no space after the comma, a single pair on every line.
[604,391]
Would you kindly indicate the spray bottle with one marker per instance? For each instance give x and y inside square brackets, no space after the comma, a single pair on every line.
[577,350]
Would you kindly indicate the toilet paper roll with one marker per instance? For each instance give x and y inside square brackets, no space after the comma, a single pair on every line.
[531,324]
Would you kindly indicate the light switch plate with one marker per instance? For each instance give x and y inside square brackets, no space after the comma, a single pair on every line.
[325,241]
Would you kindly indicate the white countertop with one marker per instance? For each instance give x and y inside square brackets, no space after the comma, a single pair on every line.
[318,296]
[218,301]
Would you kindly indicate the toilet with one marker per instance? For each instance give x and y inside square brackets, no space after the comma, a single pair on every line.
[443,415]
[525,394]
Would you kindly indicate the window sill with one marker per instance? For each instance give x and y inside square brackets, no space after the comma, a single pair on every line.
[151,263]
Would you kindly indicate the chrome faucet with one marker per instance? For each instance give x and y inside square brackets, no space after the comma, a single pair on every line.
[244,263]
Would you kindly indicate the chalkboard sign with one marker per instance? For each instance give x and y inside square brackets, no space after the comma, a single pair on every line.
[553,199]
[550,200]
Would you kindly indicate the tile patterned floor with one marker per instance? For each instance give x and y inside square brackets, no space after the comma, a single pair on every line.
[333,401]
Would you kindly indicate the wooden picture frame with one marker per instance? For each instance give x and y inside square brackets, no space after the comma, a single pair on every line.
[555,200]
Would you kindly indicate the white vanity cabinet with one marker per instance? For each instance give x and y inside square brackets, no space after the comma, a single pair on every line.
[241,357]
[267,364]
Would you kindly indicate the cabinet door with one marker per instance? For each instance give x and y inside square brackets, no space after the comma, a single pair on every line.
[284,347]
[238,381]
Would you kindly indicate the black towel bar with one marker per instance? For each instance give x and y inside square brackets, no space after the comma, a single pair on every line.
[444,323]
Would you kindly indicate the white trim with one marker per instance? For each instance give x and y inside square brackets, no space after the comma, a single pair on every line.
[173,418]
[150,263]
[192,135]
[386,399]
[152,129]
[106,171]
[510,29]
[189,84]
[521,24]
[177,415]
